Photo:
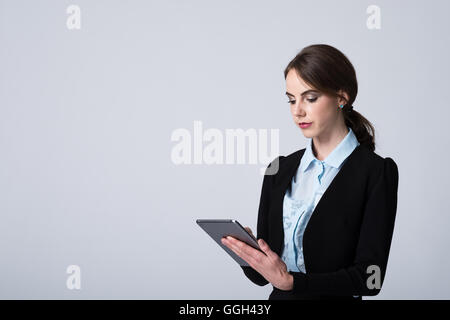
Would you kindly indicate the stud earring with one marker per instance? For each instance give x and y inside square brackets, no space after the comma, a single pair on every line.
[341,106]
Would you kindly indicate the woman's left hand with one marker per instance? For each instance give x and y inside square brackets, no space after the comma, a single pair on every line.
[268,264]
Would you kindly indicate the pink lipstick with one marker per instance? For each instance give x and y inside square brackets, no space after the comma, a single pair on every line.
[305,125]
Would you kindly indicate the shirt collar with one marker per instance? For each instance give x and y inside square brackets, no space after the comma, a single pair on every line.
[336,157]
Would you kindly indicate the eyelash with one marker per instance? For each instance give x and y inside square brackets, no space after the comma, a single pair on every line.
[309,100]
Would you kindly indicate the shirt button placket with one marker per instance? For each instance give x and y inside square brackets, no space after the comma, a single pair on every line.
[321,163]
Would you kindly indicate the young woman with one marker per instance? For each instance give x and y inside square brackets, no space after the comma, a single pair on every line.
[326,217]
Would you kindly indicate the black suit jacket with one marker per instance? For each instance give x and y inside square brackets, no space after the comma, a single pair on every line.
[349,230]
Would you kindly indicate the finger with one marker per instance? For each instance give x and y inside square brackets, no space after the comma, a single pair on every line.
[239,245]
[224,241]
[246,252]
[228,241]
[249,230]
[266,249]
[255,253]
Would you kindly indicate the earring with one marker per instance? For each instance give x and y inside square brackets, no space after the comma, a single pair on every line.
[341,106]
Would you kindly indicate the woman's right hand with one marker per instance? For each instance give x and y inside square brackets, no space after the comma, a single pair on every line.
[265,261]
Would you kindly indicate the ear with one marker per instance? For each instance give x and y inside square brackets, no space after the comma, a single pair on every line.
[345,98]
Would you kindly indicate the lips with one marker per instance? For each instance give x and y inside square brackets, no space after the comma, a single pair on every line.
[304,125]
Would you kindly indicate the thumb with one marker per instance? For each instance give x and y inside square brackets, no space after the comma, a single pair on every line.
[264,246]
[266,249]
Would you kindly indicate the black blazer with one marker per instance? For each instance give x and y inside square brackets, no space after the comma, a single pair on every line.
[350,228]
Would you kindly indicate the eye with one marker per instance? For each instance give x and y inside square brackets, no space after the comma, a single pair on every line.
[311,100]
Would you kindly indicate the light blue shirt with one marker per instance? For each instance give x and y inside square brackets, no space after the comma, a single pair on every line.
[311,180]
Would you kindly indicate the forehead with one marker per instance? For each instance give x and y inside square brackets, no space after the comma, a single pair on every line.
[295,84]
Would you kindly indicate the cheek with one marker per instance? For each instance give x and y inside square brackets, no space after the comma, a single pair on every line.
[322,112]
[322,117]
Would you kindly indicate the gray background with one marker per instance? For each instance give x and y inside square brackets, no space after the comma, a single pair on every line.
[86,117]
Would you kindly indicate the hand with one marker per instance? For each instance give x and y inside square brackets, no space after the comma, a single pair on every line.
[268,264]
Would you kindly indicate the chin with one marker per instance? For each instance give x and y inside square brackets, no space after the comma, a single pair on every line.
[308,133]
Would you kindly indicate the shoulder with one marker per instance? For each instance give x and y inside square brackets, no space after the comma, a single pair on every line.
[379,168]
[376,163]
[364,161]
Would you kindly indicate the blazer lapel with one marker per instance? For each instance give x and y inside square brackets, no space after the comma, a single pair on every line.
[284,182]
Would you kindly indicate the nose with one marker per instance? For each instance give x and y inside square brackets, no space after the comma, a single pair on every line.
[298,110]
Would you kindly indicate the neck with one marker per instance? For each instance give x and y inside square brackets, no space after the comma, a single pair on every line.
[324,144]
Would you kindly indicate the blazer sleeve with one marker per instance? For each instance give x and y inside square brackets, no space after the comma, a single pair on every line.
[373,245]
[262,227]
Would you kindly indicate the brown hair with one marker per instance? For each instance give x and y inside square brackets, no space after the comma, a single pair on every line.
[328,70]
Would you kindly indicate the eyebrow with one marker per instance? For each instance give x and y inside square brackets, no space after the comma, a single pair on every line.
[303,93]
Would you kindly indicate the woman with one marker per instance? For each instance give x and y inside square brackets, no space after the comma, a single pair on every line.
[326,217]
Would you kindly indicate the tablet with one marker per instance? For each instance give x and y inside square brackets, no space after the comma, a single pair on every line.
[219,228]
